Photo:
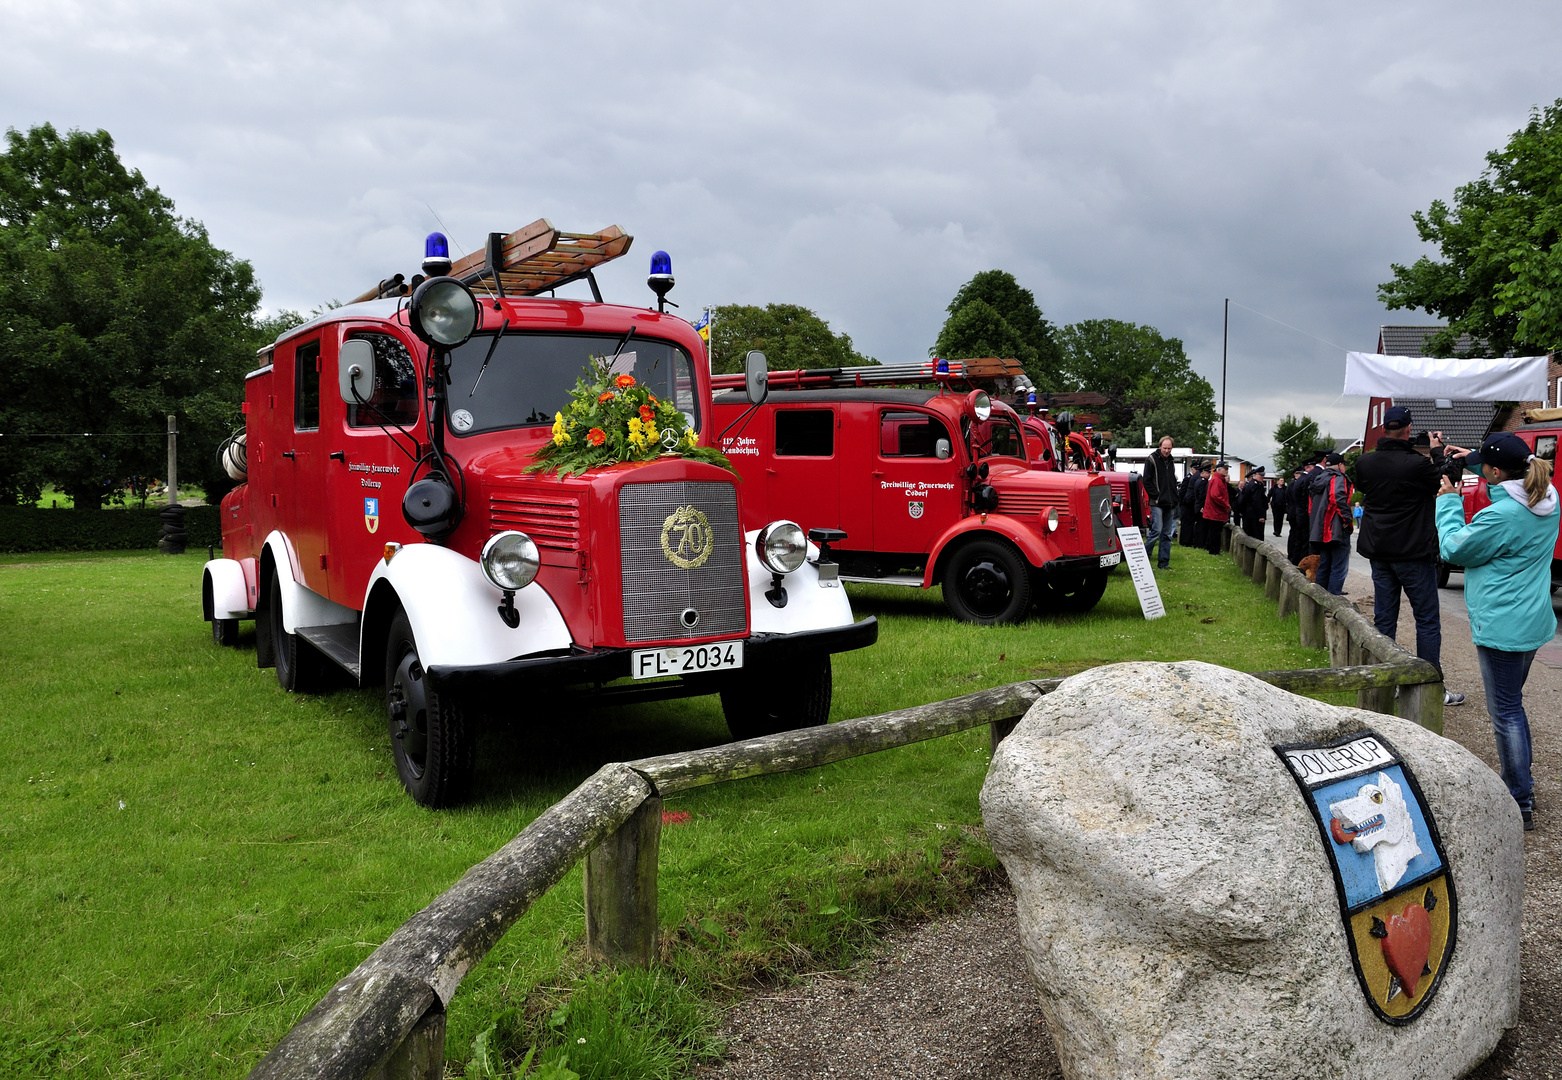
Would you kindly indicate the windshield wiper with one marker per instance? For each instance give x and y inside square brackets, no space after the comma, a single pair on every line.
[503,327]
[621,343]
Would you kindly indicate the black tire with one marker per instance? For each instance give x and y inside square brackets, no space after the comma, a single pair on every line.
[801,700]
[300,670]
[1443,570]
[1074,597]
[987,582]
[430,737]
[225,632]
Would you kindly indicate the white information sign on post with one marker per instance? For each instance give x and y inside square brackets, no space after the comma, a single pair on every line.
[1143,575]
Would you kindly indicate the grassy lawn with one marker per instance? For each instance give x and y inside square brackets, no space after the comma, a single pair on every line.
[189,857]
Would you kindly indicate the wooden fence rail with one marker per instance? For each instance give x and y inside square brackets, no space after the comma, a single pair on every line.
[386,1019]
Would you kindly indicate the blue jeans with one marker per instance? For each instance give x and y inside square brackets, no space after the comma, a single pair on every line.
[1504,673]
[1419,580]
[1333,561]
[1163,523]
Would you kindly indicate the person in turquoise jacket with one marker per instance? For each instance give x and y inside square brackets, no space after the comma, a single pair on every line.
[1505,550]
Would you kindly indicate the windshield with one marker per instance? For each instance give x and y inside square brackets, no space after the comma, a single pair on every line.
[998,436]
[530,376]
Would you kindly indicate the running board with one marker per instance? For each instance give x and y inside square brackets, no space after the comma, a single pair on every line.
[338,643]
[888,579]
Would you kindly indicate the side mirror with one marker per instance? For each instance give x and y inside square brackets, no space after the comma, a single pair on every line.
[355,371]
[942,449]
[756,378]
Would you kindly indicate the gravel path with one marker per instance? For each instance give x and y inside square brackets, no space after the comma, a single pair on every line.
[954,999]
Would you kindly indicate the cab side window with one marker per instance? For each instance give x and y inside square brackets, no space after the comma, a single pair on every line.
[394,401]
[910,434]
[1546,447]
[805,433]
[306,386]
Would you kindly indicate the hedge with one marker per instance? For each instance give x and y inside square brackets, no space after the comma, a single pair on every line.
[28,529]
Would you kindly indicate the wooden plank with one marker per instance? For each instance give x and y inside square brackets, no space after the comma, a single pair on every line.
[1360,677]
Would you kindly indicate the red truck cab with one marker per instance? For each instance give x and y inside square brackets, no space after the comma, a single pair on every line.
[930,487]
[1542,440]
[390,522]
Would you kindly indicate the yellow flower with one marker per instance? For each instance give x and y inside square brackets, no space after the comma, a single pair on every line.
[689,437]
[560,432]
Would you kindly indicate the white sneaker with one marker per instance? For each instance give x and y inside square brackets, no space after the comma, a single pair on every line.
[1451,698]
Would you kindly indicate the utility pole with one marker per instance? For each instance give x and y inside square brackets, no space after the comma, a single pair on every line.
[174,537]
[1225,336]
[173,460]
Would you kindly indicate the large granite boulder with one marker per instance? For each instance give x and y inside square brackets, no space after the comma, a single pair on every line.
[1196,903]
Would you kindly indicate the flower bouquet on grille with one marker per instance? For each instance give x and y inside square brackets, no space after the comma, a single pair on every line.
[613,418]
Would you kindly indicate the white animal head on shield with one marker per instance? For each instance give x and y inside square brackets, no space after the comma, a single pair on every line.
[1376,819]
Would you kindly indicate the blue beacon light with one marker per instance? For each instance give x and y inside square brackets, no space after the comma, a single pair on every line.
[661,263]
[661,280]
[943,367]
[436,255]
[1030,398]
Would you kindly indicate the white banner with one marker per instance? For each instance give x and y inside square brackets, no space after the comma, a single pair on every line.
[1139,567]
[1503,378]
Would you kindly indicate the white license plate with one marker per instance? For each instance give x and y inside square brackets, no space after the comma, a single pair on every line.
[1112,559]
[686,659]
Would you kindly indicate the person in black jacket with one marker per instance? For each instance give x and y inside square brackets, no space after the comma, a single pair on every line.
[1187,509]
[1277,502]
[1252,505]
[1200,497]
[1298,510]
[1399,533]
[1160,484]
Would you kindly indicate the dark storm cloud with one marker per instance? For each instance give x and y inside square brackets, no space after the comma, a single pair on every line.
[1137,161]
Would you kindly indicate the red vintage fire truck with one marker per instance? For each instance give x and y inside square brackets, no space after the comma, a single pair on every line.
[388,524]
[1541,431]
[1054,447]
[927,487]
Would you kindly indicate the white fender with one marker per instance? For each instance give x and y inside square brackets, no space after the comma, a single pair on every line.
[809,606]
[454,609]
[230,588]
[301,605]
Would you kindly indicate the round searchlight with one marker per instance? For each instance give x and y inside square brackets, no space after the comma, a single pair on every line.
[981,404]
[443,312]
[510,560]
[782,547]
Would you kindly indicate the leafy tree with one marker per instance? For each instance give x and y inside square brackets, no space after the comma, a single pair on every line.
[1297,438]
[790,337]
[116,313]
[1500,275]
[1145,377]
[992,315]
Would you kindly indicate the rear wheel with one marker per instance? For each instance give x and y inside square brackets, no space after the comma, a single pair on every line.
[1073,597]
[987,582]
[299,668]
[430,737]
[802,700]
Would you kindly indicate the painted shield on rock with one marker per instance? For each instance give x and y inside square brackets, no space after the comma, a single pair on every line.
[1395,890]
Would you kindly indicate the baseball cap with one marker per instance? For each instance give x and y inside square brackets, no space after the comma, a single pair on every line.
[1333,459]
[1396,416]
[1221,465]
[1504,449]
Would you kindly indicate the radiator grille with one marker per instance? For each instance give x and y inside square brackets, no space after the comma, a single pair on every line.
[1103,523]
[1033,502]
[551,521]
[657,590]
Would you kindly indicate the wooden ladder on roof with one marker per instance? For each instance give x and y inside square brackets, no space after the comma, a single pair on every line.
[533,259]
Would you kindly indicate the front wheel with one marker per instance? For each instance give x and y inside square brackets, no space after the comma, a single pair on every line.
[430,737]
[801,699]
[1073,597]
[987,582]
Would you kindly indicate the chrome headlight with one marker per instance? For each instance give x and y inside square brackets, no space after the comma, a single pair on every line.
[1052,520]
[981,404]
[443,312]
[782,546]
[510,560]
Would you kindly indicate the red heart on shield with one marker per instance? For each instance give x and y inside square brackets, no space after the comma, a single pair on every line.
[1407,945]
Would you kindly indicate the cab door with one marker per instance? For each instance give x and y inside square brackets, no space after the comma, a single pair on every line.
[917,494]
[307,516]
[804,474]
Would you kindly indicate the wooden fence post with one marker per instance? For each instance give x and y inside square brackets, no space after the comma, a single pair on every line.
[1422,703]
[1258,569]
[1271,580]
[421,1055]
[1313,633]
[621,919]
[1287,601]
[1339,641]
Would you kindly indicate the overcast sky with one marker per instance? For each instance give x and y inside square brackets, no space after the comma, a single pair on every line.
[1132,160]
